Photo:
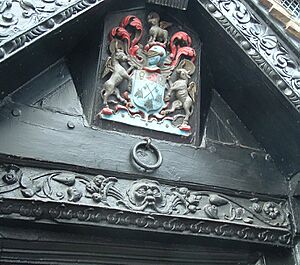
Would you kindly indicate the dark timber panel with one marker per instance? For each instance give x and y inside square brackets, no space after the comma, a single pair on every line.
[250,94]
[224,126]
[61,245]
[32,133]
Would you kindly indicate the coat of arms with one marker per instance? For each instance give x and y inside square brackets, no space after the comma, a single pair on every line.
[159,93]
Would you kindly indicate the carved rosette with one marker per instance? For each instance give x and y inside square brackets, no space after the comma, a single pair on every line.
[143,203]
[150,84]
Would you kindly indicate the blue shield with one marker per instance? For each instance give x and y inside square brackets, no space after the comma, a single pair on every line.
[148,91]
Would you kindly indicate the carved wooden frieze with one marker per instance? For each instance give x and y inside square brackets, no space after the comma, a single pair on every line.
[21,22]
[160,92]
[142,204]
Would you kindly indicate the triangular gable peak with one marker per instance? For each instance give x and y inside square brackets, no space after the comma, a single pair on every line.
[24,23]
[253,69]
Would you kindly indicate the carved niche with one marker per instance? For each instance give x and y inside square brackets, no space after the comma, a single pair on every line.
[148,74]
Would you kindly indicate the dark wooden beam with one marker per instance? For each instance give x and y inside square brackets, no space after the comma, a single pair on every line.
[45,136]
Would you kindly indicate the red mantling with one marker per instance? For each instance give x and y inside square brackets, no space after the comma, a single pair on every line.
[180,45]
[152,69]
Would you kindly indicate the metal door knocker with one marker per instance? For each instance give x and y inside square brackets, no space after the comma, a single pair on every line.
[146,155]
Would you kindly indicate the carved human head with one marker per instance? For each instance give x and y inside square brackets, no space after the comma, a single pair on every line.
[145,192]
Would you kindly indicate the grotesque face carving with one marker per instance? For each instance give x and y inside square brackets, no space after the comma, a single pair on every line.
[145,193]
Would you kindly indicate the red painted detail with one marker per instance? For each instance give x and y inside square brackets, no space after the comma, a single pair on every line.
[180,44]
[126,95]
[132,21]
[133,50]
[129,105]
[121,33]
[186,51]
[106,111]
[136,23]
[119,107]
[185,127]
[152,69]
[152,77]
[179,39]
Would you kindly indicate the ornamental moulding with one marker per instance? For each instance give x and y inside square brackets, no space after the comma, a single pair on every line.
[259,42]
[143,204]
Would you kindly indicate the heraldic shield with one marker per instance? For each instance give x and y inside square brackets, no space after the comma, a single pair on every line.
[149,85]
[148,90]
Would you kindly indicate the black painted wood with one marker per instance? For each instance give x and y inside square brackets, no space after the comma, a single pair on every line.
[294,184]
[53,89]
[218,165]
[60,245]
[248,92]
[223,126]
[259,105]
[33,135]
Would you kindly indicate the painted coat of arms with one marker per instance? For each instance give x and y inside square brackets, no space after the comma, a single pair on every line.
[159,93]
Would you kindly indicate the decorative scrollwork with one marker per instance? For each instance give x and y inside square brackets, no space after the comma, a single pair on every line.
[144,203]
[262,45]
[22,21]
[142,195]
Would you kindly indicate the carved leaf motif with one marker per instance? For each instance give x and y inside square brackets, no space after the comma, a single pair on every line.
[30,187]
[174,225]
[28,193]
[248,219]
[27,4]
[5,5]
[211,211]
[217,200]
[185,201]
[8,19]
[101,188]
[265,42]
[65,178]
[224,230]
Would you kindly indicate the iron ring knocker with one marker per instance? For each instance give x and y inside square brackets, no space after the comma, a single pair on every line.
[149,146]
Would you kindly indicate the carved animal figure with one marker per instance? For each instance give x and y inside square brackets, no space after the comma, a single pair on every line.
[184,92]
[158,30]
[119,73]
